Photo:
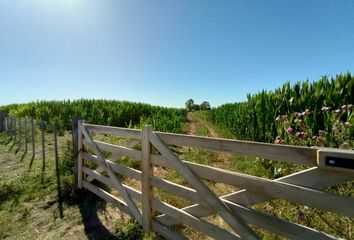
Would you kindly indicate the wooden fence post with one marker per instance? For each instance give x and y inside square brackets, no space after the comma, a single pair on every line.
[60,203]
[25,135]
[75,139]
[19,133]
[10,126]
[2,119]
[43,146]
[147,173]
[15,130]
[6,121]
[33,141]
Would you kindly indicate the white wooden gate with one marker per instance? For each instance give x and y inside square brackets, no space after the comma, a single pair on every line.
[326,167]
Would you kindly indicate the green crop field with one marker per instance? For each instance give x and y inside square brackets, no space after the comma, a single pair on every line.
[103,112]
[313,108]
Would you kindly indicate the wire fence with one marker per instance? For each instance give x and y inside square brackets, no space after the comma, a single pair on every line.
[38,138]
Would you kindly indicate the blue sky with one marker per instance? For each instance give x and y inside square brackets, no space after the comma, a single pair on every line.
[164,52]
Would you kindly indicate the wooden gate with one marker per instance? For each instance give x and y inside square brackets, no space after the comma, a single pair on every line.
[326,167]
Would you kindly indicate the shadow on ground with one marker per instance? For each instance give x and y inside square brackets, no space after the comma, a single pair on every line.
[89,205]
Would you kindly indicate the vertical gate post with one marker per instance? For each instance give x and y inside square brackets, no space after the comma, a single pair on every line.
[147,173]
[75,140]
[80,150]
[2,119]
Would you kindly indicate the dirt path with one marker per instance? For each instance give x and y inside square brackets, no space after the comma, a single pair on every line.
[191,127]
[195,119]
[205,123]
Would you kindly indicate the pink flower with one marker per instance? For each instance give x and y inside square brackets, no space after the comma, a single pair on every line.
[307,112]
[301,135]
[269,208]
[281,118]
[326,109]
[316,138]
[289,130]
[301,216]
[297,114]
[349,106]
[278,140]
[337,111]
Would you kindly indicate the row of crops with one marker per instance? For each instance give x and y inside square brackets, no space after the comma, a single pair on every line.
[103,112]
[316,107]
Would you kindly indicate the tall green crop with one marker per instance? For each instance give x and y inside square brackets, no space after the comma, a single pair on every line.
[254,118]
[104,112]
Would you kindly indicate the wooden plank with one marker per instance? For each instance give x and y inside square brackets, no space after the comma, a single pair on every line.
[122,151]
[166,232]
[236,222]
[117,168]
[136,194]
[259,219]
[107,197]
[147,173]
[311,177]
[156,226]
[117,184]
[316,178]
[192,221]
[271,188]
[285,228]
[114,156]
[116,131]
[178,190]
[299,155]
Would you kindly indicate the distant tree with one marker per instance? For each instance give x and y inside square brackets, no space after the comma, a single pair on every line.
[190,105]
[205,106]
[196,107]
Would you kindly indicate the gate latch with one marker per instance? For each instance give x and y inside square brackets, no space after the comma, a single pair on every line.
[336,159]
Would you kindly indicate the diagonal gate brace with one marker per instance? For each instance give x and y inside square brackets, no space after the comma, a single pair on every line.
[115,181]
